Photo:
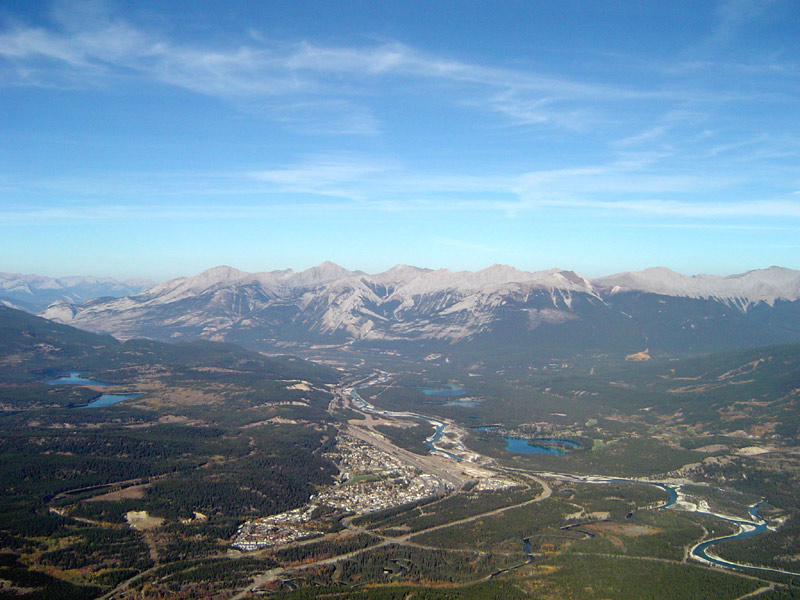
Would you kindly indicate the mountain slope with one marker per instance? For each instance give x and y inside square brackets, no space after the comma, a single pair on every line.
[205,436]
[743,290]
[32,347]
[543,314]
[34,292]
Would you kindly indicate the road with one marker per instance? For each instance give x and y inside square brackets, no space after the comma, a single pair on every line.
[446,469]
[543,495]
[427,464]
[404,540]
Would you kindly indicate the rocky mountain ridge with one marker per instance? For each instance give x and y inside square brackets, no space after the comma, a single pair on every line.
[548,311]
[35,292]
[743,290]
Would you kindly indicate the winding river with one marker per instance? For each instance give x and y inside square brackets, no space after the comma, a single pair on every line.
[747,528]
[438,424]
[700,551]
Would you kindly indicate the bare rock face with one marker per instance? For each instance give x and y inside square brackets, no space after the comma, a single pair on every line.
[744,290]
[622,313]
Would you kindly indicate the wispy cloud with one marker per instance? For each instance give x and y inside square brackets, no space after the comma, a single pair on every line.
[732,16]
[701,215]
[648,136]
[668,159]
[769,209]
[326,175]
[333,184]
[290,81]
[318,116]
[381,182]
[621,178]
[707,225]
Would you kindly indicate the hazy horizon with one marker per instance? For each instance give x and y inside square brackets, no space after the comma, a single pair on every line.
[355,269]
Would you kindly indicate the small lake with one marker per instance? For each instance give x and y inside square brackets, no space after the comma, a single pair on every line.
[557,442]
[109,399]
[448,389]
[466,403]
[76,379]
[517,445]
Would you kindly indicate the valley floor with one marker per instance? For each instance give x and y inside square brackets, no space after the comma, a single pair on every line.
[479,526]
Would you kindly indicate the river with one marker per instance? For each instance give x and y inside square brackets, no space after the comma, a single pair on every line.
[747,528]
[430,442]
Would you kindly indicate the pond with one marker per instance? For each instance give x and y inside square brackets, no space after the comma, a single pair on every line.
[449,389]
[109,399]
[556,442]
[466,402]
[518,445]
[75,378]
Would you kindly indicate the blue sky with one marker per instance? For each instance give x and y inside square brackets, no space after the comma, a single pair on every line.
[158,139]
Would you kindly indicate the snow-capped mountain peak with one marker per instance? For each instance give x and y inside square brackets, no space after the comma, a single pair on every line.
[323,273]
[400,274]
[752,287]
[329,302]
[181,287]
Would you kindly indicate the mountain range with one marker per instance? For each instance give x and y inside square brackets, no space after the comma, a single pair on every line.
[34,293]
[543,314]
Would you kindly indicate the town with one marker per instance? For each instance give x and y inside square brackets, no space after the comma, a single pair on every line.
[369,480]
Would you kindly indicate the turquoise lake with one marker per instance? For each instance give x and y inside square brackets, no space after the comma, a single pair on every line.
[76,379]
[109,399]
[545,446]
[451,389]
